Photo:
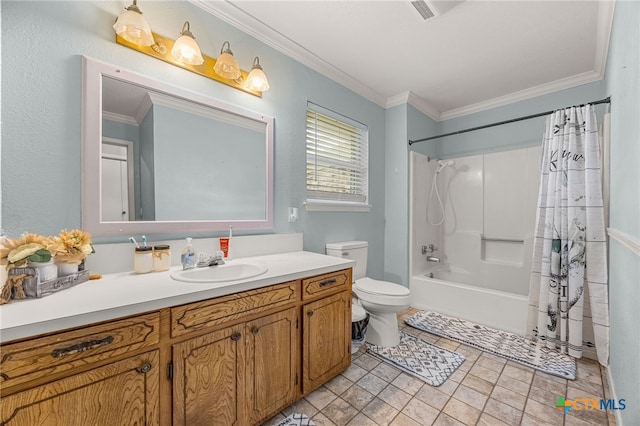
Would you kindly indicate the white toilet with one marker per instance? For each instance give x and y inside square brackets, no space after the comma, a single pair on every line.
[381,299]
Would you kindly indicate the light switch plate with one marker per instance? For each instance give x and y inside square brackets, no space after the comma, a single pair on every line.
[293,214]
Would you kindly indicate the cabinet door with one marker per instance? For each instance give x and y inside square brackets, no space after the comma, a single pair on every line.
[209,379]
[122,393]
[326,339]
[272,354]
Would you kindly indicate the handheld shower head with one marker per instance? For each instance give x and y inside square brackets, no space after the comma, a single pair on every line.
[443,164]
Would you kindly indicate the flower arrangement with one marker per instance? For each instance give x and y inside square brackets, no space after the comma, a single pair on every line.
[69,247]
[72,246]
[16,253]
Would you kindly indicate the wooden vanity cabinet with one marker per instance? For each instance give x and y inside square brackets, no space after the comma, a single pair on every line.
[232,360]
[100,374]
[326,333]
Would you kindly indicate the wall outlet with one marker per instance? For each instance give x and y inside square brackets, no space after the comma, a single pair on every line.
[293,214]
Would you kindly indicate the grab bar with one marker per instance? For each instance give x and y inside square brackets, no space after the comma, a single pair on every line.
[502,240]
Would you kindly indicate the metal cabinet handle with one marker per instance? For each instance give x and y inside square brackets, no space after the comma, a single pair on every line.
[255,330]
[310,313]
[236,336]
[328,282]
[81,347]
[144,368]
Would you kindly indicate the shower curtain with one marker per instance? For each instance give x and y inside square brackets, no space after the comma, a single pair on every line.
[568,294]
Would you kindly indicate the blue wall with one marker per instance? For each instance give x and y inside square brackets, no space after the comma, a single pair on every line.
[622,82]
[41,114]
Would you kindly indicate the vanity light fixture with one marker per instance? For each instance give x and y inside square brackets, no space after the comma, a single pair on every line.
[257,80]
[132,26]
[226,65]
[185,49]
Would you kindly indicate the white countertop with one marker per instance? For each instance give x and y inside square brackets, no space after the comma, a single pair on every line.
[122,294]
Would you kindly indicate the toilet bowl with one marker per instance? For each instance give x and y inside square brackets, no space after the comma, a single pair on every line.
[381,299]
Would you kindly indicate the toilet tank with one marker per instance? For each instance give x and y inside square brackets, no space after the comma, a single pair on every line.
[353,250]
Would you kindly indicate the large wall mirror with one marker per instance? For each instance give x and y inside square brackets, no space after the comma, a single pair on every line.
[162,159]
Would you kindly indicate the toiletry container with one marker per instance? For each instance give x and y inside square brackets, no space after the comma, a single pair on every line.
[188,257]
[161,258]
[143,260]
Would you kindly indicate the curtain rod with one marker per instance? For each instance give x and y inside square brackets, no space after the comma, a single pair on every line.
[500,123]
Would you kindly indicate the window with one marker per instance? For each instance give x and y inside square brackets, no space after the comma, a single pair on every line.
[337,157]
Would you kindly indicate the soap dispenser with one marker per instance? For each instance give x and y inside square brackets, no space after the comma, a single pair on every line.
[188,256]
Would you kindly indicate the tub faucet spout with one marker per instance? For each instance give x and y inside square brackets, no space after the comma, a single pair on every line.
[433,259]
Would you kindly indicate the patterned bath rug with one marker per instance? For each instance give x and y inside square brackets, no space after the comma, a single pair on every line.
[498,342]
[296,420]
[430,363]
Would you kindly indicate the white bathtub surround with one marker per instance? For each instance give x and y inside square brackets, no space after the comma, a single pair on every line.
[570,251]
[485,243]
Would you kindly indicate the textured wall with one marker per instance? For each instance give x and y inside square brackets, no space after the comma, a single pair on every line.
[42,44]
[623,84]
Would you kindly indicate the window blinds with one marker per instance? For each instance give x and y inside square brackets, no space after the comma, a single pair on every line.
[337,155]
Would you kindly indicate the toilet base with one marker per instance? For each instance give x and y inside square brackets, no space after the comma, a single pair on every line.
[383,330]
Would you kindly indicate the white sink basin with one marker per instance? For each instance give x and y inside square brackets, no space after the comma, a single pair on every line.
[231,271]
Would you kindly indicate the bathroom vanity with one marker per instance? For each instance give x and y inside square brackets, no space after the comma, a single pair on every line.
[150,350]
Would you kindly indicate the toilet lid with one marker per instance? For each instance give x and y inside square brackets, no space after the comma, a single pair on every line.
[371,286]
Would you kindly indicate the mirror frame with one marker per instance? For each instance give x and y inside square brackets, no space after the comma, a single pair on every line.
[92,71]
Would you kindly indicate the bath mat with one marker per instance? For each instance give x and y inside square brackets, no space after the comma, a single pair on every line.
[501,343]
[296,420]
[430,363]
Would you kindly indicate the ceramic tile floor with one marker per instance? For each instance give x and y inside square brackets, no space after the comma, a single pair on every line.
[485,390]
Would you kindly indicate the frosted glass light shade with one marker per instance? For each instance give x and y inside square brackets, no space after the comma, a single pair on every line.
[257,79]
[187,51]
[226,65]
[132,27]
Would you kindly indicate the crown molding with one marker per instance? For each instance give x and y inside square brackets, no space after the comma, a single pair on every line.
[532,92]
[234,16]
[119,118]
[252,26]
[416,102]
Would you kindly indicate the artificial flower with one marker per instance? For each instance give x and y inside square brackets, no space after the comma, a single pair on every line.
[17,252]
[72,246]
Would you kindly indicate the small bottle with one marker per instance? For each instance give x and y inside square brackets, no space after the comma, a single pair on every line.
[143,260]
[188,257]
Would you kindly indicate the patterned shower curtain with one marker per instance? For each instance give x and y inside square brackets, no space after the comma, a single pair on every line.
[568,294]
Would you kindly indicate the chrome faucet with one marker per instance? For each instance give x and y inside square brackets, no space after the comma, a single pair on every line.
[429,251]
[215,260]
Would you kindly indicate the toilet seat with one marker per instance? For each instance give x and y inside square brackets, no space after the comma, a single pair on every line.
[382,292]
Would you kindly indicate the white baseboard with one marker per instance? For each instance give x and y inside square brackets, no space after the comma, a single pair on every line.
[614,396]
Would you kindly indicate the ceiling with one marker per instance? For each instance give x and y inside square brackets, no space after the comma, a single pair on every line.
[475,55]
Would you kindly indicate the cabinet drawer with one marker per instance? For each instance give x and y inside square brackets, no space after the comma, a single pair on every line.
[326,283]
[42,356]
[196,316]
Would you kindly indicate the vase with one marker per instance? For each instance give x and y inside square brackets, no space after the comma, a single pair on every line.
[65,268]
[47,271]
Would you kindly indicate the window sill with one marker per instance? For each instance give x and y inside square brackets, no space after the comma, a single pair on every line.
[319,206]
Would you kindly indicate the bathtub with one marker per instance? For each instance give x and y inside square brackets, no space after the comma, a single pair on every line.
[493,308]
